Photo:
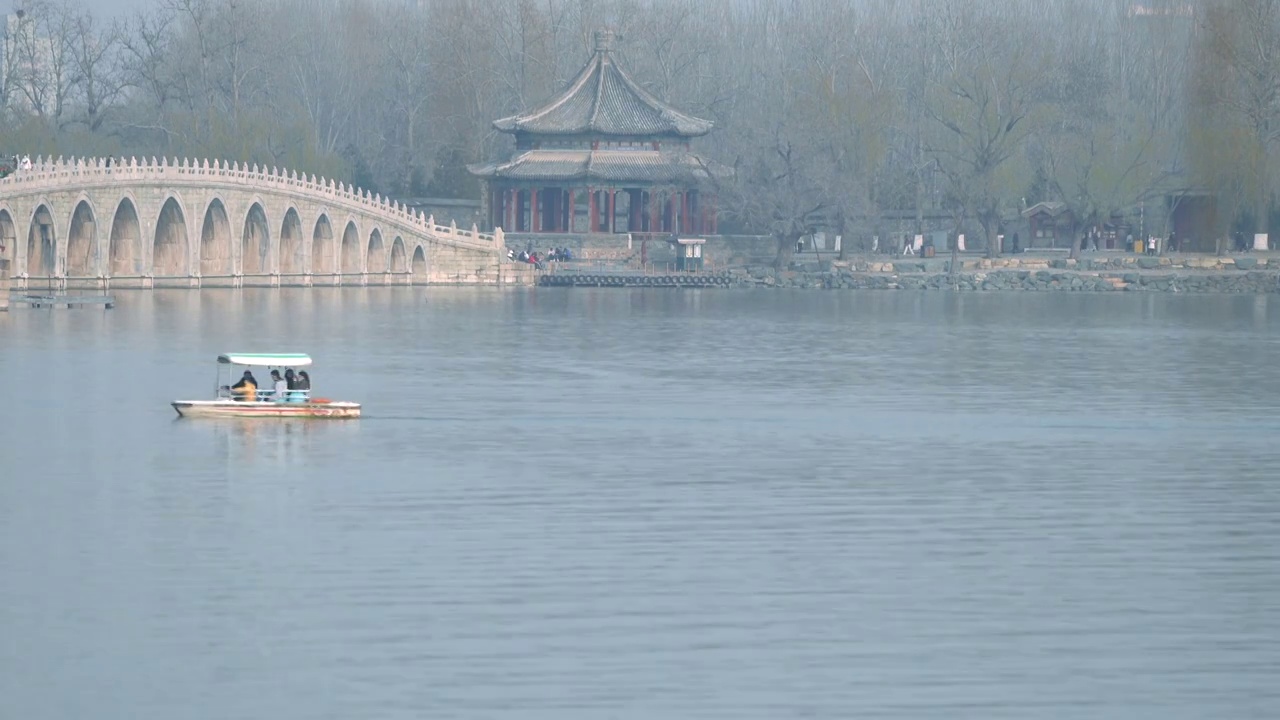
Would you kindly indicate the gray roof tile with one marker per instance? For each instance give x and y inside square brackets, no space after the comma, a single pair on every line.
[646,166]
[604,100]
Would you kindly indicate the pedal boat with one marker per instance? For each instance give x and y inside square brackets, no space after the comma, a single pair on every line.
[295,404]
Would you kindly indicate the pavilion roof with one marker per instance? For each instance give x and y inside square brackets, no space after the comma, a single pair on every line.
[644,166]
[1052,208]
[604,100]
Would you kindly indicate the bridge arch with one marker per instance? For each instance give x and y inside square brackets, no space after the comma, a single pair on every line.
[399,262]
[42,243]
[255,241]
[351,256]
[82,240]
[376,259]
[293,255]
[216,256]
[8,235]
[323,257]
[171,249]
[418,266]
[124,244]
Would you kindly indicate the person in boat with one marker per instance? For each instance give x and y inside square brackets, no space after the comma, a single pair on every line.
[279,388]
[303,386]
[295,393]
[246,390]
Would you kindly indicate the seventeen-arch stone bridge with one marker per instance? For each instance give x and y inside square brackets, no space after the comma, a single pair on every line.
[153,223]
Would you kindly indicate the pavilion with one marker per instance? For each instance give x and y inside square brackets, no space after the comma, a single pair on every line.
[603,156]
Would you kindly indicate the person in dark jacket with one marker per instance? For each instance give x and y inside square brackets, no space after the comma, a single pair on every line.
[246,390]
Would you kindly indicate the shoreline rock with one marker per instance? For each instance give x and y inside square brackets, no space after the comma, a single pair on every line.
[913,276]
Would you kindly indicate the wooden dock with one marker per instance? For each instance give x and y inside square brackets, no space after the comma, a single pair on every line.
[56,300]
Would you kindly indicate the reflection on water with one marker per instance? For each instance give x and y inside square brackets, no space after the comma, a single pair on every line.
[647,504]
[280,442]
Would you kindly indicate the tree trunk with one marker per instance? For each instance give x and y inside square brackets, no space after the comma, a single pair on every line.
[990,226]
[844,242]
[1077,242]
[786,249]
[1263,221]
[955,257]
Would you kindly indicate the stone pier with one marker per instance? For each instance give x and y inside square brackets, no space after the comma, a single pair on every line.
[4,285]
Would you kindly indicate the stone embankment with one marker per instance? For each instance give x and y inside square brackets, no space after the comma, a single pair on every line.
[1189,274]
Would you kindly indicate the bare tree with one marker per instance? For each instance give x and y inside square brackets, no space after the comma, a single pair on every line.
[985,88]
[96,57]
[45,74]
[1238,88]
[855,87]
[1102,150]
[782,167]
[321,75]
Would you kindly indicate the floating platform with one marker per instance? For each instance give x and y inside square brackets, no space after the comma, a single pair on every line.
[637,279]
[65,301]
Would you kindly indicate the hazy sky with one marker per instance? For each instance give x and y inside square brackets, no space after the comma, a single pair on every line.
[113,7]
[105,8]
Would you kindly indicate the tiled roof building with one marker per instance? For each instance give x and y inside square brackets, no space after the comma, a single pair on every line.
[604,155]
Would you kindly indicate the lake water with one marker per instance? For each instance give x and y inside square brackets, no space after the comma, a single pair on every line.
[648,504]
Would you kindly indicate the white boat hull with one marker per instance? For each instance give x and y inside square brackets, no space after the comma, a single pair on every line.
[237,409]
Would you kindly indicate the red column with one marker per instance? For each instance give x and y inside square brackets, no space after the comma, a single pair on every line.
[573,207]
[654,223]
[592,214]
[533,210]
[612,214]
[687,207]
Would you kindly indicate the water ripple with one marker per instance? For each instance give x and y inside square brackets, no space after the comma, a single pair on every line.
[648,504]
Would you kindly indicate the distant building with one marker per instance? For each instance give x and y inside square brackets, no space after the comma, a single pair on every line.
[603,156]
[1048,225]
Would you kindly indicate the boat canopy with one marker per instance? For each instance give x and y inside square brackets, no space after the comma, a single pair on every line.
[265,359]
